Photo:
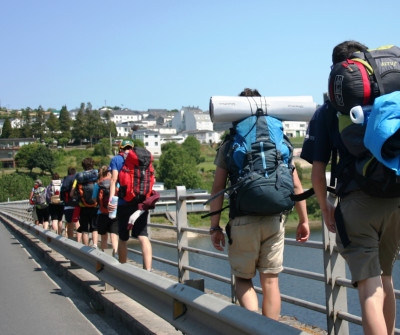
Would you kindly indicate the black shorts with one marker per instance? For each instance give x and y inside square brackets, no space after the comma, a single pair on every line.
[43,214]
[56,212]
[140,226]
[68,214]
[87,218]
[106,225]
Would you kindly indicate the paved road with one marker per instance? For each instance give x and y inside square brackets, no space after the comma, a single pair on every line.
[35,301]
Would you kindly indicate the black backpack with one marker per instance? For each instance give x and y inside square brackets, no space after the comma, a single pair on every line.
[365,76]
[85,185]
[258,157]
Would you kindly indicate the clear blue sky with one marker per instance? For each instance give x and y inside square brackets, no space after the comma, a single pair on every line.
[169,53]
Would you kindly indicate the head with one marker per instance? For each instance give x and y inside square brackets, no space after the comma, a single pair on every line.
[125,145]
[55,176]
[71,171]
[104,171]
[248,92]
[38,183]
[88,163]
[344,50]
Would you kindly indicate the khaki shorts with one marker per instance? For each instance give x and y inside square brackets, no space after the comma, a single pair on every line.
[373,227]
[257,243]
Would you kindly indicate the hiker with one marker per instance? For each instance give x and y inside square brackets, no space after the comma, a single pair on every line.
[33,208]
[367,227]
[56,207]
[105,224]
[39,200]
[83,186]
[124,211]
[256,242]
[69,204]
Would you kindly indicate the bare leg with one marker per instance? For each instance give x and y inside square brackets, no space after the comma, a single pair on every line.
[246,294]
[389,304]
[371,296]
[70,229]
[95,238]
[271,305]
[104,240]
[85,238]
[114,242]
[45,225]
[147,252]
[54,225]
[122,251]
[59,227]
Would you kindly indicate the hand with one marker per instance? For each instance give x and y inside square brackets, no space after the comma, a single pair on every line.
[329,217]
[303,232]
[111,208]
[218,240]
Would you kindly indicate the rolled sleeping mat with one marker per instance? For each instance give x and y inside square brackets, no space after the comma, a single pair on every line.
[231,109]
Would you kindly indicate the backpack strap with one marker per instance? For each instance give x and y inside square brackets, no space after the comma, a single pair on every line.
[376,73]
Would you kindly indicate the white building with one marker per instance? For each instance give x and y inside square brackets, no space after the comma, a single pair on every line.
[204,136]
[151,140]
[295,128]
[124,129]
[189,120]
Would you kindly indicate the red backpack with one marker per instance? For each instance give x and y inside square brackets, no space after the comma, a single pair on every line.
[103,196]
[136,178]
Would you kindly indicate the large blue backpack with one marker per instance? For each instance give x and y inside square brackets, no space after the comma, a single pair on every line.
[258,157]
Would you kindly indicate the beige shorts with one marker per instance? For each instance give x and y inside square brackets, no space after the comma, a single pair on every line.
[373,227]
[257,243]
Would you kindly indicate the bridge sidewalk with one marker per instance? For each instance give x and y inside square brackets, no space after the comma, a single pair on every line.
[25,297]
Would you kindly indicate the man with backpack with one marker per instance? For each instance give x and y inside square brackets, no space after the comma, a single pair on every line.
[367,227]
[128,203]
[69,202]
[256,228]
[38,198]
[56,206]
[83,187]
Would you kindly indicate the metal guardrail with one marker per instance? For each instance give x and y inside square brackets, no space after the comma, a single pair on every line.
[334,276]
[189,310]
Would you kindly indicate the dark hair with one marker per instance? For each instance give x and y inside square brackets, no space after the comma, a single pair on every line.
[71,171]
[248,92]
[344,50]
[103,171]
[88,163]
[55,176]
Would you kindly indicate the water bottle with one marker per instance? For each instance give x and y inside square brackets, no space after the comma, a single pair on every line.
[114,201]
[360,114]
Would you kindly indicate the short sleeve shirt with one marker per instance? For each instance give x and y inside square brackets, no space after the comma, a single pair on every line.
[117,163]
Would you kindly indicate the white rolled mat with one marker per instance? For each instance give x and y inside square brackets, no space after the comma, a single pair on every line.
[230,109]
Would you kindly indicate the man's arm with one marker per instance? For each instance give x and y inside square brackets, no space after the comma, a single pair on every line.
[217,237]
[303,229]
[114,180]
[318,179]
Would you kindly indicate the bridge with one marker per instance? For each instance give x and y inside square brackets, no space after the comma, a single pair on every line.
[177,302]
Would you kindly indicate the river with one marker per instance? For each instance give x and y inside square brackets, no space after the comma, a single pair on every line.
[301,258]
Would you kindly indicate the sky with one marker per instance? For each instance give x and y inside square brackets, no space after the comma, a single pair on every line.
[169,53]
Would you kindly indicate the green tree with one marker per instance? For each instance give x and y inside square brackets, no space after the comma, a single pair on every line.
[102,148]
[177,167]
[39,126]
[94,124]
[6,131]
[53,124]
[26,123]
[24,156]
[63,141]
[65,122]
[79,128]
[192,146]
[44,159]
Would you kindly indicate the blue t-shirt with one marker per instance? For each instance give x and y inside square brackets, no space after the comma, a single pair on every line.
[117,163]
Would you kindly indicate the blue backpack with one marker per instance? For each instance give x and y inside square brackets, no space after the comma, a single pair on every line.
[375,147]
[258,157]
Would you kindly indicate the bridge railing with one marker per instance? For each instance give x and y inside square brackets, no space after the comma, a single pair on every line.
[333,276]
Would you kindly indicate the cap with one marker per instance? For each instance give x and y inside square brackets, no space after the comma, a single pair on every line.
[126,143]
[38,182]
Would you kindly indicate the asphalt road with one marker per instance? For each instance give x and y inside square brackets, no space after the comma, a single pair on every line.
[33,300]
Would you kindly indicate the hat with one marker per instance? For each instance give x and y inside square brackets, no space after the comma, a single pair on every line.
[38,182]
[126,143]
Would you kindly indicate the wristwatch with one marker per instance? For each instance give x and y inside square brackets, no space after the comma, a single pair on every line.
[214,229]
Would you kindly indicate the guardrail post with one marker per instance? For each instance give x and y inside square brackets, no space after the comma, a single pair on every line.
[336,295]
[181,222]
